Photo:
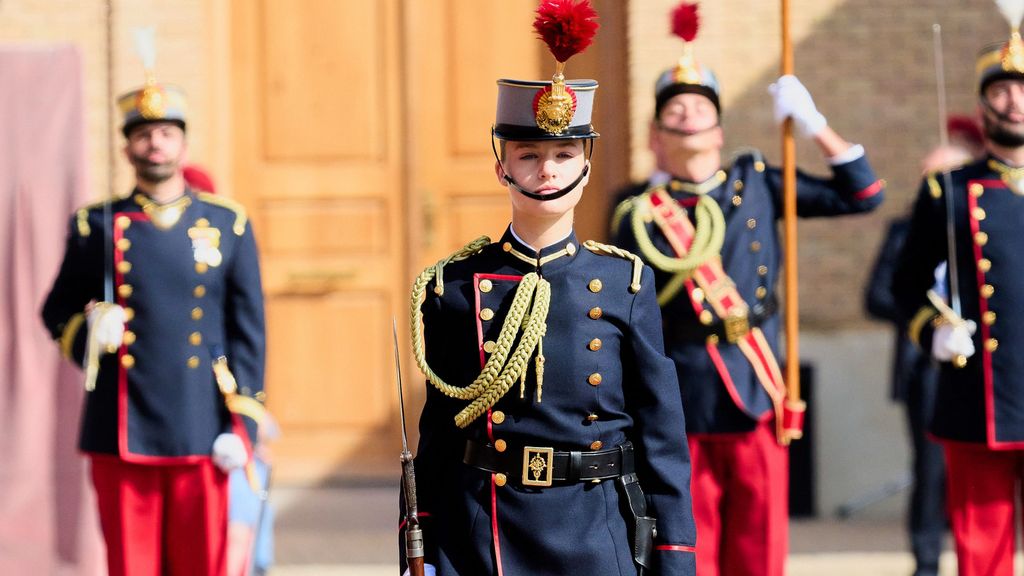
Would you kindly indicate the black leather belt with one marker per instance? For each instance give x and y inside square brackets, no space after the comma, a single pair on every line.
[697,332]
[540,466]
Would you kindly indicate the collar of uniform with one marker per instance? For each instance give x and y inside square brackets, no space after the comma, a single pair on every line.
[557,254]
[1012,177]
[163,216]
[697,188]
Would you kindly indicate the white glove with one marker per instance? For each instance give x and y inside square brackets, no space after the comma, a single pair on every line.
[106,321]
[950,341]
[792,100]
[428,570]
[229,452]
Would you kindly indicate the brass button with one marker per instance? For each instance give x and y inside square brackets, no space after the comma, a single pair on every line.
[978,213]
[984,264]
[195,338]
[202,223]
[497,416]
[199,291]
[595,344]
[991,344]
[595,379]
[981,238]
[989,318]
[125,290]
[507,246]
[592,417]
[485,285]
[129,314]
[595,312]
[489,346]
[987,290]
[123,222]
[127,360]
[755,246]
[976,190]
[500,445]
[751,223]
[737,200]
[260,396]
[193,361]
[202,267]
[123,244]
[762,270]
[737,185]
[124,266]
[486,314]
[713,339]
[759,166]
[197,313]
[596,445]
[761,292]
[570,249]
[128,338]
[500,480]
[697,295]
[706,317]
[595,285]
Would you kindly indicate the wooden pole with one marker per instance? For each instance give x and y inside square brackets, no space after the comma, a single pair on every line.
[791,294]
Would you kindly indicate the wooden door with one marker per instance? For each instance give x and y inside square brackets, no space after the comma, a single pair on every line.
[361,150]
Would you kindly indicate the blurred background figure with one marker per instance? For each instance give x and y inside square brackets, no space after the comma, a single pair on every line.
[913,372]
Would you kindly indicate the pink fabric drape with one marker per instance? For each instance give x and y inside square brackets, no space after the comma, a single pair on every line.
[48,522]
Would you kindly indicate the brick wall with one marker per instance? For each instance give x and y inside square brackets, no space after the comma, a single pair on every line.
[870,67]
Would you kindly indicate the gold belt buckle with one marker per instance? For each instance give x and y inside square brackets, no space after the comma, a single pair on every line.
[537,466]
[736,324]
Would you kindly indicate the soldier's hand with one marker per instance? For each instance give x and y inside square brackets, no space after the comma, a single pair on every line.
[792,100]
[229,452]
[952,340]
[106,322]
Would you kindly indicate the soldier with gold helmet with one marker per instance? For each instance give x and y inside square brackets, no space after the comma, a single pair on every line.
[975,332]
[550,441]
[709,231]
[159,298]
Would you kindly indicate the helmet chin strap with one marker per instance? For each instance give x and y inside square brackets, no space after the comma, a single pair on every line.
[999,115]
[554,195]
[678,132]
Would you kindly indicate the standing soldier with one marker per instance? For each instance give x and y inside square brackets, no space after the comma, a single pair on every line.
[710,233]
[182,342]
[534,463]
[977,336]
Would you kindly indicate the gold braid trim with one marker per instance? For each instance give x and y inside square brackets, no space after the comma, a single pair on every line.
[620,212]
[671,288]
[240,215]
[608,249]
[923,316]
[707,242]
[67,337]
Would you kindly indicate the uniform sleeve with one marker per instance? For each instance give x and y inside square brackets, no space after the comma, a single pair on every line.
[853,188]
[923,250]
[244,318]
[663,463]
[63,310]
[878,297]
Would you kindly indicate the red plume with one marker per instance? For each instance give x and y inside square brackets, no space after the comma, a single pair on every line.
[685,21]
[566,26]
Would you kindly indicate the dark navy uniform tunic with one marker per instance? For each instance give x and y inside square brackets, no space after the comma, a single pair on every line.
[606,381]
[983,402]
[156,400]
[751,201]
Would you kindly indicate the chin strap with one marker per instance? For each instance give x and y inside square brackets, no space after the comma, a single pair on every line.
[677,132]
[554,195]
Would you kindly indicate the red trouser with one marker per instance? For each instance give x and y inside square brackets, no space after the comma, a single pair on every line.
[162,520]
[740,487]
[981,487]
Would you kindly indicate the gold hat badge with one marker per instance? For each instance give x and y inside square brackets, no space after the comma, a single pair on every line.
[151,101]
[685,23]
[1012,55]
[568,28]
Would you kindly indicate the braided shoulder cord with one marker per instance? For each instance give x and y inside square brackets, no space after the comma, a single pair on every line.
[707,241]
[620,212]
[638,264]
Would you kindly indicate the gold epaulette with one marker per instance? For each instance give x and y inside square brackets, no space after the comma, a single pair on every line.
[240,215]
[624,207]
[82,217]
[933,184]
[609,250]
[925,315]
[466,251]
